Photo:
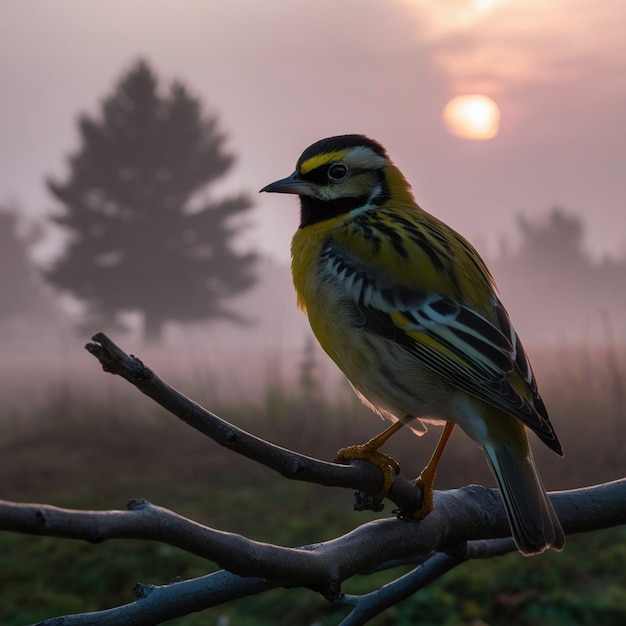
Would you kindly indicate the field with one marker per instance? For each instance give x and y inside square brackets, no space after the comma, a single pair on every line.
[97,443]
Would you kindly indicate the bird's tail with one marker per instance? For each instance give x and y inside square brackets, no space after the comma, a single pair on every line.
[533,521]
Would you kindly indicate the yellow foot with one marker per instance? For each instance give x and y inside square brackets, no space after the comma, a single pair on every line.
[425,483]
[368,453]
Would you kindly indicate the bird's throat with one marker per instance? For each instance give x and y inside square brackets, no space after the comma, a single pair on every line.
[314,210]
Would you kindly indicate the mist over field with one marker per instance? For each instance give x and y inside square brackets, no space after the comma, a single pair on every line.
[576,344]
[561,302]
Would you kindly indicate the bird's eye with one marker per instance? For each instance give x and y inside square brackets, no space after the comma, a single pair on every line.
[337,172]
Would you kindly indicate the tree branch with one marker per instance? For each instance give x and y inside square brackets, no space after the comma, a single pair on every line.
[460,515]
[158,604]
[369,605]
[434,566]
[461,527]
[360,474]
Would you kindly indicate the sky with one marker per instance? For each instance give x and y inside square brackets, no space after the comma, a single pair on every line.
[282,74]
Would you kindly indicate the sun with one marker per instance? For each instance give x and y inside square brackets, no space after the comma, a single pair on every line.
[472,117]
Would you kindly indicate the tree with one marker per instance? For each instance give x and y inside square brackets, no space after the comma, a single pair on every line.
[557,243]
[467,523]
[144,234]
[552,277]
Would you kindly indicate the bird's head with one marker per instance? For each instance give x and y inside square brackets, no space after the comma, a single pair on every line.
[342,175]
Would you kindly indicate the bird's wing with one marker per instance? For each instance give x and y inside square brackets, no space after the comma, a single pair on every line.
[459,344]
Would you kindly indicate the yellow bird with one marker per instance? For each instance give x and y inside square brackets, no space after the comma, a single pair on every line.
[408,310]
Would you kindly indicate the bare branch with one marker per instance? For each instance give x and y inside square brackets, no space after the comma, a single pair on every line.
[434,566]
[460,516]
[158,604]
[461,527]
[369,605]
[361,475]
[146,521]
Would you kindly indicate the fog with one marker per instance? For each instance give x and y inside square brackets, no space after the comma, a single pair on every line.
[277,77]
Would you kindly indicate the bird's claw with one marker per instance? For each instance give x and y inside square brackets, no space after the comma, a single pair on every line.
[425,483]
[367,453]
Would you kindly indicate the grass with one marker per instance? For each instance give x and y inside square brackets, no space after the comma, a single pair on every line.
[80,452]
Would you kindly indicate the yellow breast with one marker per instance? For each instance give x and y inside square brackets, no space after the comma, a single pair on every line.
[320,300]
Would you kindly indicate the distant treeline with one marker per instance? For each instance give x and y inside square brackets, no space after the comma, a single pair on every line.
[552,288]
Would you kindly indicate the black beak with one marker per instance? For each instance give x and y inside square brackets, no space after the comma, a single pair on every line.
[292,184]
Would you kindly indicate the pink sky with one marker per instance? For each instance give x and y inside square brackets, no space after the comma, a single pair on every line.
[283,74]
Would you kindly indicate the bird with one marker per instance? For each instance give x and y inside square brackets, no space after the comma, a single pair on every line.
[410,313]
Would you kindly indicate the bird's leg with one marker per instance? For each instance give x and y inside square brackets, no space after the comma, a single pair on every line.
[426,479]
[369,451]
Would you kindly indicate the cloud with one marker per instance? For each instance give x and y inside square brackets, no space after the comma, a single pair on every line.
[491,44]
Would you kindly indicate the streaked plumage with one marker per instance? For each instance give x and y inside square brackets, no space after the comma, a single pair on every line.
[408,310]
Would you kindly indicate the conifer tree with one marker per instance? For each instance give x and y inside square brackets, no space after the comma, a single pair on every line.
[145,235]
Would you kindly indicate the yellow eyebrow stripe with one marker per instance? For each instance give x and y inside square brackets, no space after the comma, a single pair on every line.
[321,159]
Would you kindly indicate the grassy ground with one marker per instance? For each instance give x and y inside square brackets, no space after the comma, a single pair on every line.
[81,453]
